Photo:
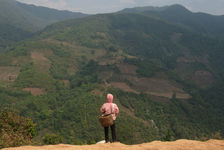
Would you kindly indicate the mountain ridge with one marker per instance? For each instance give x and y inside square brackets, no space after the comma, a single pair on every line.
[24,20]
[199,22]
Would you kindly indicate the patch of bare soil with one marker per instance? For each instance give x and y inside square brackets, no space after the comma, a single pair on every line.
[35,91]
[203,78]
[158,87]
[123,86]
[38,56]
[156,145]
[40,61]
[9,73]
[128,69]
[186,69]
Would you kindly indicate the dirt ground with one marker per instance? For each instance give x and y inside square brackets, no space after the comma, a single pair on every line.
[156,145]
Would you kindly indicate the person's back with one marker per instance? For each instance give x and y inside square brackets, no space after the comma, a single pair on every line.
[110,108]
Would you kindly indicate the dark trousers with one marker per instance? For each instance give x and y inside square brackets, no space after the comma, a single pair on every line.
[113,132]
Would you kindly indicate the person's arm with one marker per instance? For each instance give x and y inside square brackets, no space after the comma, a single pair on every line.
[102,109]
[116,109]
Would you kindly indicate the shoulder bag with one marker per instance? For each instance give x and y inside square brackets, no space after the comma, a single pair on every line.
[107,120]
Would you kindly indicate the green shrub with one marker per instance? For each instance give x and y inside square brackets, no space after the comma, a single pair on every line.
[169,135]
[15,130]
[52,139]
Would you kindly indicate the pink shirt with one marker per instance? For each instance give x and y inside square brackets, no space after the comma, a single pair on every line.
[110,108]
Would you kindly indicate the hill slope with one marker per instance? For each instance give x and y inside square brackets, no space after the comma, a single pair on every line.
[18,21]
[156,145]
[30,17]
[167,80]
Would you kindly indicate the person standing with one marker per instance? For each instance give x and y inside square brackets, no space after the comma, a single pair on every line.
[110,108]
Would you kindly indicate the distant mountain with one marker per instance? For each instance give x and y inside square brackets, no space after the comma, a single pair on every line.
[22,20]
[197,22]
[167,77]
[172,8]
[142,9]
[49,15]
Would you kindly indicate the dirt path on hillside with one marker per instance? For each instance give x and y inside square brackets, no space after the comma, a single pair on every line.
[156,145]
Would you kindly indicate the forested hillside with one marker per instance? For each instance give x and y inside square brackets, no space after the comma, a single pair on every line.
[197,22]
[167,79]
[19,21]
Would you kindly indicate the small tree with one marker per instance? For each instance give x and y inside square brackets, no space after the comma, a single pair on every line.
[169,135]
[217,135]
[52,139]
[15,130]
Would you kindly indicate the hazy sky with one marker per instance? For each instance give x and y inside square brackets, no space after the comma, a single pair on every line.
[104,6]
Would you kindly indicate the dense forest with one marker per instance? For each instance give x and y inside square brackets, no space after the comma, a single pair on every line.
[166,76]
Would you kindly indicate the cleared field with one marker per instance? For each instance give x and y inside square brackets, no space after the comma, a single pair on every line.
[40,61]
[158,87]
[123,86]
[203,78]
[9,74]
[35,91]
[127,69]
